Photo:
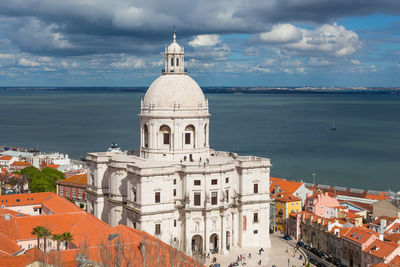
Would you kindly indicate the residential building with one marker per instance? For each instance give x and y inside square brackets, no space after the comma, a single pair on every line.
[298,189]
[6,161]
[74,188]
[322,204]
[379,252]
[285,204]
[175,186]
[19,165]
[385,225]
[354,242]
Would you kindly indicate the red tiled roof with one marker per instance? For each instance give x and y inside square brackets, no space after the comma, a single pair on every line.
[359,234]
[395,238]
[380,249]
[5,157]
[23,199]
[20,163]
[389,220]
[285,197]
[284,185]
[80,179]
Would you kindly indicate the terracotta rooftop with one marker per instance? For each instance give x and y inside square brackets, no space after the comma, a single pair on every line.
[359,234]
[285,197]
[5,157]
[80,179]
[284,185]
[380,249]
[395,238]
[20,163]
[389,220]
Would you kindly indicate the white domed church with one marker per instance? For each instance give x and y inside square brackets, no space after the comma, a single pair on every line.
[175,186]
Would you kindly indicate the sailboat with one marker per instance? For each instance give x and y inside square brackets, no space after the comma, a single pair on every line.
[333,128]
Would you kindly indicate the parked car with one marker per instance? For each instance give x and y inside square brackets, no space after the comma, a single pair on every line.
[313,261]
[307,247]
[321,264]
[287,237]
[301,244]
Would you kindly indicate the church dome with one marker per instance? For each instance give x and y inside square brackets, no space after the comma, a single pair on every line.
[174,92]
[174,48]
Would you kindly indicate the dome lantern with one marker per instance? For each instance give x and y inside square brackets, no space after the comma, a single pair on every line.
[174,58]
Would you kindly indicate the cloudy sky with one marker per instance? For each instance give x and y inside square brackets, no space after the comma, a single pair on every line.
[227,42]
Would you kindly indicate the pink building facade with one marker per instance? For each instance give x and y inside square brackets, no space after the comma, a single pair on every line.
[322,204]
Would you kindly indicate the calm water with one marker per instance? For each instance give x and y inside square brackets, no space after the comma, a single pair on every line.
[292,130]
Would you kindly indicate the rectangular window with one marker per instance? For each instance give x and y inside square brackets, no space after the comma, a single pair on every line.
[187,138]
[197,199]
[174,192]
[177,62]
[197,182]
[157,197]
[174,181]
[174,223]
[158,229]
[67,193]
[255,232]
[172,62]
[166,138]
[227,195]
[214,181]
[255,217]
[255,189]
[214,198]
[227,180]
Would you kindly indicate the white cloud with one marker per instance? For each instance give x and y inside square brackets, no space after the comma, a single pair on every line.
[27,63]
[282,33]
[6,56]
[129,62]
[333,40]
[205,40]
[355,61]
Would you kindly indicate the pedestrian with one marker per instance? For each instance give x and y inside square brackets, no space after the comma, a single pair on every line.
[259,263]
[249,255]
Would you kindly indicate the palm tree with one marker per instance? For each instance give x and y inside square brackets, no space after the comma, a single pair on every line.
[46,233]
[67,237]
[38,232]
[58,238]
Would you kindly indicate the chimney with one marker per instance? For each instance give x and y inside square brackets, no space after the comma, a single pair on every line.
[277,188]
[381,237]
[336,232]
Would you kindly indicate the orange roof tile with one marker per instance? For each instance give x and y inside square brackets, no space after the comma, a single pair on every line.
[395,238]
[80,179]
[380,248]
[389,220]
[284,185]
[381,196]
[285,197]
[5,157]
[360,234]
[20,163]
[395,261]
[23,199]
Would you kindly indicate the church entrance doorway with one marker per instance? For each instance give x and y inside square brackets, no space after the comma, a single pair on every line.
[197,245]
[214,243]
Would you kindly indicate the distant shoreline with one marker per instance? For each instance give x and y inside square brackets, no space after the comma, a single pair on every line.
[228,90]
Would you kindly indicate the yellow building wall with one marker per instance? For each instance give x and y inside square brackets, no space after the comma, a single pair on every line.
[287,208]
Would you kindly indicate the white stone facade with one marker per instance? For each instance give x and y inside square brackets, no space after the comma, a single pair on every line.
[176,187]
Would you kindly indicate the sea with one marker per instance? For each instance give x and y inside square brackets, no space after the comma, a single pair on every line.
[295,130]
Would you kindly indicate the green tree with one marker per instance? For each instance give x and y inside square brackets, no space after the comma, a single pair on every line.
[46,234]
[38,232]
[58,238]
[67,237]
[42,181]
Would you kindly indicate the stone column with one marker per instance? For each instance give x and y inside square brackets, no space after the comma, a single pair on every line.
[223,234]
[206,240]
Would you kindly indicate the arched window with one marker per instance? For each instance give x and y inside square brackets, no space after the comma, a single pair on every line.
[146,136]
[166,134]
[189,135]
